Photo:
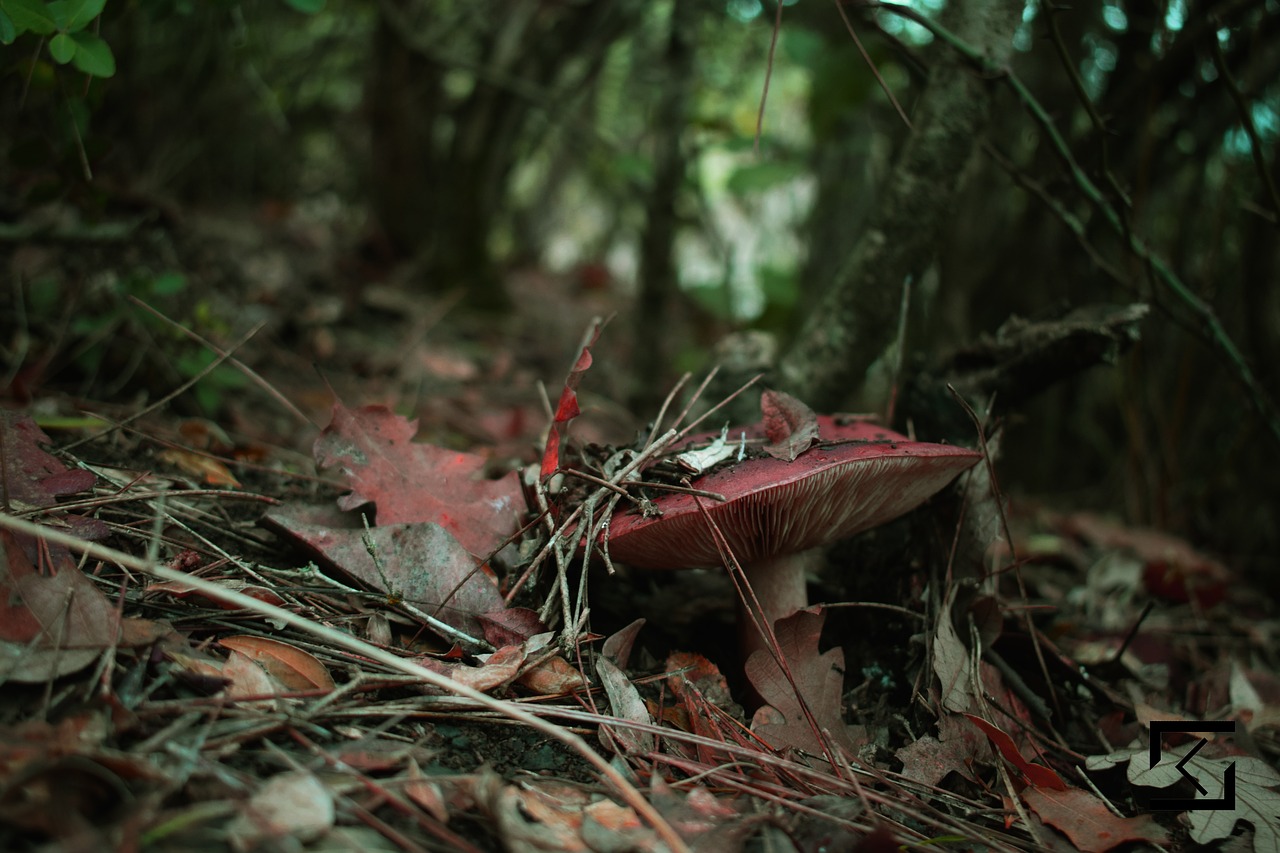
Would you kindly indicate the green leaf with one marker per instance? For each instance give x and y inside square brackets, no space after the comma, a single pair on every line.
[29,15]
[62,48]
[79,13]
[8,32]
[93,55]
[306,7]
[57,10]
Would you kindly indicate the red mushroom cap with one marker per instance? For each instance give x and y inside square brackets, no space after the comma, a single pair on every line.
[858,476]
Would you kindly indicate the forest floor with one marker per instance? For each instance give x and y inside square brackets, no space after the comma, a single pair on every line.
[252,617]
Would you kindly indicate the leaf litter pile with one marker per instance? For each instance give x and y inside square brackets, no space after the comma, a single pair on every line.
[408,663]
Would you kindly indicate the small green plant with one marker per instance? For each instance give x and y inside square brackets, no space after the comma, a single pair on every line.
[64,23]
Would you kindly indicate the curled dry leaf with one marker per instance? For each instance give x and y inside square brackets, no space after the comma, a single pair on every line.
[291,666]
[181,590]
[554,676]
[247,679]
[209,470]
[567,409]
[1035,774]
[790,425]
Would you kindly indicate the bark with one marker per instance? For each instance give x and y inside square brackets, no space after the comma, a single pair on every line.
[855,320]
[658,280]
[442,161]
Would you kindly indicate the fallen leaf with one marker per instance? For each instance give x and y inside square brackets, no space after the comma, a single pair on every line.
[567,409]
[951,661]
[1255,800]
[699,817]
[613,828]
[624,699]
[554,676]
[31,475]
[181,590]
[790,425]
[410,482]
[1036,774]
[617,646]
[426,793]
[421,564]
[1086,820]
[35,478]
[956,749]
[210,471]
[510,626]
[291,805]
[819,681]
[532,817]
[494,670]
[250,680]
[52,621]
[289,665]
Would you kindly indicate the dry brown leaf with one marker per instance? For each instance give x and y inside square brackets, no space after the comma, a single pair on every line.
[291,666]
[819,679]
[291,805]
[552,677]
[249,680]
[53,621]
[790,425]
[205,467]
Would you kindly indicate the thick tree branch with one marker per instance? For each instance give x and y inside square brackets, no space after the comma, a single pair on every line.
[853,322]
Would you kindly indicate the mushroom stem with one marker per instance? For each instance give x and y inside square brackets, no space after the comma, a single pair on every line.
[778,584]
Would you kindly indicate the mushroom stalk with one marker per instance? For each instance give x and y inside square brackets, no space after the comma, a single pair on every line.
[779,587]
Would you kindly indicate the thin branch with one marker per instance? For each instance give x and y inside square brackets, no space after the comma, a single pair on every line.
[1258,396]
[1246,119]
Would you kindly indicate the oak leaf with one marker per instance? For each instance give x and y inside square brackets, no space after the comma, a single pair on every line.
[410,482]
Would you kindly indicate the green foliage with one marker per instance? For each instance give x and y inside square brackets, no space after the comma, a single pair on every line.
[64,22]
[111,336]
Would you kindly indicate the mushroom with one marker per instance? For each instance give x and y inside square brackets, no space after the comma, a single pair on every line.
[856,476]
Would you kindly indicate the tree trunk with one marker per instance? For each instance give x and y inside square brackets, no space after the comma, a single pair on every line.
[854,322]
[659,285]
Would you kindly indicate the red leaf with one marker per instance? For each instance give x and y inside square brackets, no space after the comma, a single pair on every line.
[36,478]
[568,408]
[1087,821]
[410,482]
[789,424]
[1036,774]
[510,626]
